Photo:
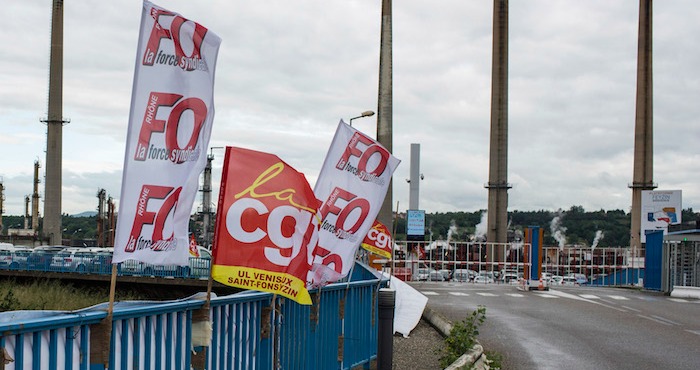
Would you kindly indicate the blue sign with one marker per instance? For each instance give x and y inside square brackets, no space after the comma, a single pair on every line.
[415,222]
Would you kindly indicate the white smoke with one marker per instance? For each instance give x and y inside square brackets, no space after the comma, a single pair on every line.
[452,231]
[558,230]
[517,240]
[481,227]
[598,236]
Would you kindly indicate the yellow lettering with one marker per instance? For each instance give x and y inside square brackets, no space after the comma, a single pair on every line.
[283,195]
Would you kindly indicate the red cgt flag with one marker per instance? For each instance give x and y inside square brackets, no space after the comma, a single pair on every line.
[378,240]
[264,225]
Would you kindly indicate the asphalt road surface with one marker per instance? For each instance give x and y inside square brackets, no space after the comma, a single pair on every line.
[576,327]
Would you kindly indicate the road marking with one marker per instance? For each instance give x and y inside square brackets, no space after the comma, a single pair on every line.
[680,300]
[631,309]
[589,296]
[460,294]
[546,295]
[487,294]
[655,320]
[578,298]
[694,331]
[516,295]
[619,297]
[429,292]
[665,320]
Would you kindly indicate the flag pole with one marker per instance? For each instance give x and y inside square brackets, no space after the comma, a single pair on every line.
[103,331]
[201,327]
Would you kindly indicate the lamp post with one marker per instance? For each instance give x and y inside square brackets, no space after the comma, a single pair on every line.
[367,113]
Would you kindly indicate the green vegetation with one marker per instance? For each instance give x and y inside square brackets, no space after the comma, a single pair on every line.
[581,226]
[53,295]
[462,337]
[494,360]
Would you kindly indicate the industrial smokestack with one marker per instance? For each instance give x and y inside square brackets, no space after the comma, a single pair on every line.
[2,200]
[101,227]
[26,212]
[643,176]
[54,131]
[497,230]
[385,101]
[35,199]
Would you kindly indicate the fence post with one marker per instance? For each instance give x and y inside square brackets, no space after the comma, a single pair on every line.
[385,349]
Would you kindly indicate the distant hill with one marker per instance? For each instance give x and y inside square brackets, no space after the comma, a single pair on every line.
[85,214]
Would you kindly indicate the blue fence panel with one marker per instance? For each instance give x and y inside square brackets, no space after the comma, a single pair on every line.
[248,332]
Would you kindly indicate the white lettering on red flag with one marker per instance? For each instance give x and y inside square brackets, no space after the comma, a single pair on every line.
[170,122]
[352,185]
[378,240]
[266,226]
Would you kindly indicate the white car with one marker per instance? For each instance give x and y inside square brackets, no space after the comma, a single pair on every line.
[569,281]
[463,275]
[198,267]
[74,260]
[483,279]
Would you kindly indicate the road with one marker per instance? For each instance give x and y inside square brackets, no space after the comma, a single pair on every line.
[576,327]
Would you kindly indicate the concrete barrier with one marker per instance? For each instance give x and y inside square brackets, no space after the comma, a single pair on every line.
[686,292]
[473,359]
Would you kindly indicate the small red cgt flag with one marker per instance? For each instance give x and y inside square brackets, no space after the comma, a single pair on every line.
[378,240]
[264,225]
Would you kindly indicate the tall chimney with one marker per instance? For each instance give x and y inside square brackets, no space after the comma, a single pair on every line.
[498,159]
[385,107]
[35,199]
[26,212]
[643,176]
[54,131]
[2,199]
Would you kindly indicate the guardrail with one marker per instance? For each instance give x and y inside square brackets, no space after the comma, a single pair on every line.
[250,330]
[99,263]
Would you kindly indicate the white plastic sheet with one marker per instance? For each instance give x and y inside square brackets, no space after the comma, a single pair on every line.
[409,307]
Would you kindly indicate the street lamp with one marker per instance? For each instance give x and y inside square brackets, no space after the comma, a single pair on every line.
[367,113]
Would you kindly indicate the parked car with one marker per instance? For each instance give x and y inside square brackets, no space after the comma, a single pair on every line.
[483,279]
[509,278]
[423,274]
[199,265]
[556,279]
[41,257]
[581,279]
[569,281]
[13,257]
[102,262]
[546,276]
[434,275]
[447,274]
[463,275]
[73,260]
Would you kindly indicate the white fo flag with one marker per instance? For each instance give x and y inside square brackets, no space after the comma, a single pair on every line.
[172,111]
[352,185]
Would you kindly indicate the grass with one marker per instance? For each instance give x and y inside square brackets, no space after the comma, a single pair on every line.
[45,294]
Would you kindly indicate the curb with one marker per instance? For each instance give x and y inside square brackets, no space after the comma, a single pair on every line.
[685,292]
[474,359]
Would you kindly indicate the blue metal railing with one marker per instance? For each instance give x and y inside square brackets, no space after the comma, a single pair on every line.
[250,330]
[100,264]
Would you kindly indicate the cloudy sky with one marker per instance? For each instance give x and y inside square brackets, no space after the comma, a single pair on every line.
[288,71]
